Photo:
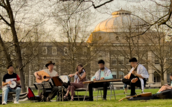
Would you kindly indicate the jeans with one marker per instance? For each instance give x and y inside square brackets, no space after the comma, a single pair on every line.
[7,89]
[125,86]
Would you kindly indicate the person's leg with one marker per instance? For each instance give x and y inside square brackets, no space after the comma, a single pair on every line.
[90,87]
[73,87]
[77,85]
[105,85]
[68,90]
[17,91]
[5,93]
[125,88]
[72,92]
[126,81]
[53,93]
[165,87]
[138,84]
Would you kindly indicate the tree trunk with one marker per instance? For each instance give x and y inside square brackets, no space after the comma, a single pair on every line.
[16,45]
[5,51]
[19,58]
[162,79]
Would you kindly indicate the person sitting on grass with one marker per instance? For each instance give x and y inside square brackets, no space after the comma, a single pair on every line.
[166,87]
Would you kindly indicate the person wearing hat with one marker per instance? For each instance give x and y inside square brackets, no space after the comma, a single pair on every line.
[8,77]
[52,73]
[49,70]
[137,76]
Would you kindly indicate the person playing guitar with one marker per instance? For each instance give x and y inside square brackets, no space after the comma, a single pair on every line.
[52,73]
[79,78]
[137,76]
[102,74]
[7,79]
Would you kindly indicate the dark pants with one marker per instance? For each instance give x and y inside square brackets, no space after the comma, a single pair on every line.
[132,85]
[96,85]
[53,93]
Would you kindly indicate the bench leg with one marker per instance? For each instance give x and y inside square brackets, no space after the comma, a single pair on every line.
[85,95]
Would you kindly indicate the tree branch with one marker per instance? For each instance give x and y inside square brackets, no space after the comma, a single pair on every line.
[1,17]
[95,7]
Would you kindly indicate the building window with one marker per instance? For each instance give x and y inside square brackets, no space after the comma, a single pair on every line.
[44,50]
[157,77]
[84,50]
[65,50]
[114,61]
[35,51]
[114,73]
[120,60]
[100,38]
[127,61]
[156,61]
[54,50]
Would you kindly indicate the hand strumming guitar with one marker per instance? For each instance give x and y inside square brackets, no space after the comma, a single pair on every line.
[39,77]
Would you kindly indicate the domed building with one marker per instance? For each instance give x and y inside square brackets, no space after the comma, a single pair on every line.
[117,40]
[122,21]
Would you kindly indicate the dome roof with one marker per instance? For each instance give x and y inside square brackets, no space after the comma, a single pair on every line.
[121,21]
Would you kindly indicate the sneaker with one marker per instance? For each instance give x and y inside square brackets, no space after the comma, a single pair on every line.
[16,102]
[4,103]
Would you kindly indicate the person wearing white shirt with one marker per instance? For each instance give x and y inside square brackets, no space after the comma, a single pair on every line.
[137,76]
[52,73]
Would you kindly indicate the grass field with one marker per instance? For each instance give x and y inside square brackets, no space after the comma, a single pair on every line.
[99,103]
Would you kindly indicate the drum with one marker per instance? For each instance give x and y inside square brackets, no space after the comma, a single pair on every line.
[64,78]
[13,84]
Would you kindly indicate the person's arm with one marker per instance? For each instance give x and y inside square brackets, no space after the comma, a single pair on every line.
[18,80]
[82,77]
[57,74]
[93,78]
[139,75]
[6,83]
[142,73]
[109,76]
[36,75]
[71,75]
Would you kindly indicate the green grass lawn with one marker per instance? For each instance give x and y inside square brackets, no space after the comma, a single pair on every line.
[100,103]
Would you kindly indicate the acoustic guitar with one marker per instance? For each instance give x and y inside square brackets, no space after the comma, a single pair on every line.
[43,76]
[148,94]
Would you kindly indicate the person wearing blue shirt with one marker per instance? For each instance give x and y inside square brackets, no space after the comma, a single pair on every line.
[102,74]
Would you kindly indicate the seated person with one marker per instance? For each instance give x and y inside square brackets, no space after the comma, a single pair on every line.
[137,76]
[10,76]
[166,87]
[79,78]
[52,73]
[102,74]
